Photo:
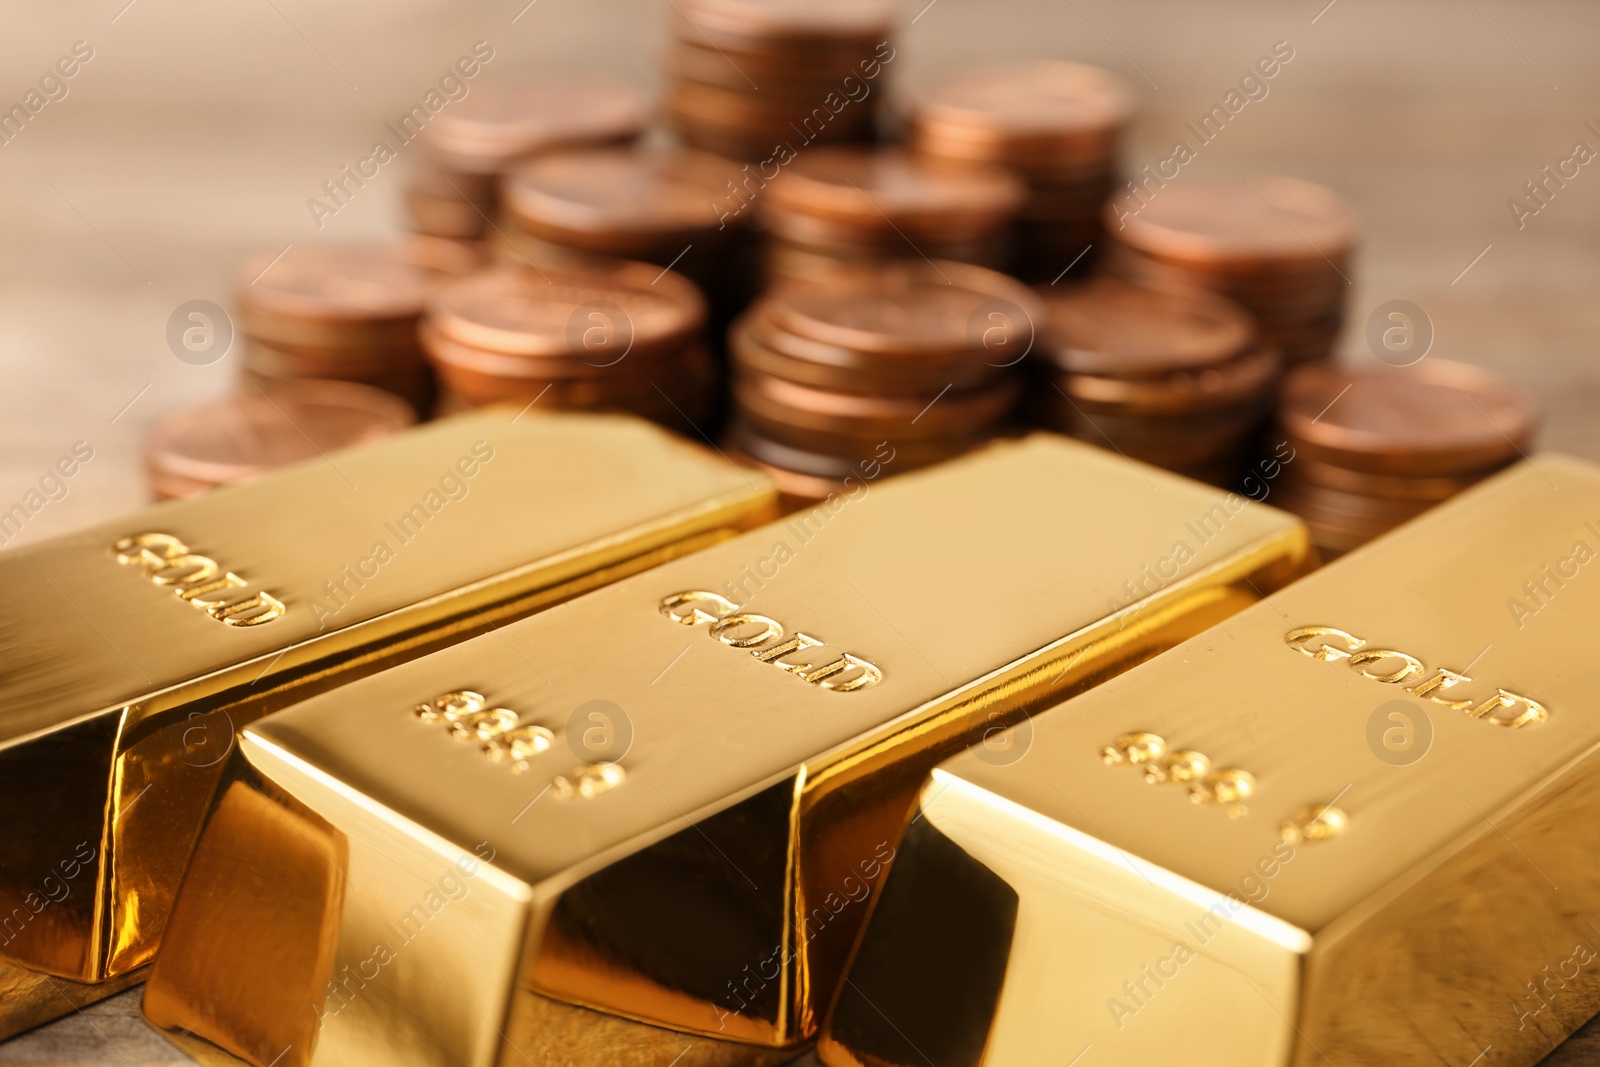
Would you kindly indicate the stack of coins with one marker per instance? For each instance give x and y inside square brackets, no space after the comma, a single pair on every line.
[625,337]
[444,257]
[1058,126]
[348,313]
[1174,379]
[451,193]
[1376,446]
[1280,247]
[654,204]
[760,79]
[837,209]
[918,359]
[240,438]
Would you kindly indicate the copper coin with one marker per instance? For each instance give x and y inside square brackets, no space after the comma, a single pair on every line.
[1175,430]
[415,385]
[354,365]
[1215,463]
[1273,295]
[875,190]
[916,310]
[863,458]
[242,437]
[964,240]
[804,477]
[768,112]
[806,362]
[1264,220]
[1354,507]
[1386,486]
[1110,327]
[617,199]
[443,216]
[481,373]
[600,317]
[512,246]
[682,400]
[736,22]
[1334,538]
[1167,445]
[458,364]
[494,126]
[1025,112]
[774,401]
[796,490]
[1437,417]
[789,75]
[1334,529]
[819,464]
[759,146]
[445,256]
[918,370]
[1241,381]
[332,297]
[785,261]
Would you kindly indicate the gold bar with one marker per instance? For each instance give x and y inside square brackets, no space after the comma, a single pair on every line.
[651,818]
[1351,825]
[136,649]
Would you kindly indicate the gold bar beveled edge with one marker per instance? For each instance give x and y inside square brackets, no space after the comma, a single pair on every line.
[737,511]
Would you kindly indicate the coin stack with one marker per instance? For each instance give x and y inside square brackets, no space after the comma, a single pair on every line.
[915,362]
[1279,246]
[1058,126]
[656,204]
[1374,447]
[837,209]
[451,190]
[624,337]
[760,79]
[348,313]
[1176,379]
[443,258]
[242,437]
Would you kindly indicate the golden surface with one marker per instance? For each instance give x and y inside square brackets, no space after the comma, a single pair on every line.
[1416,877]
[712,879]
[122,699]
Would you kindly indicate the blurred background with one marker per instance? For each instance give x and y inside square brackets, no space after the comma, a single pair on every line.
[197,132]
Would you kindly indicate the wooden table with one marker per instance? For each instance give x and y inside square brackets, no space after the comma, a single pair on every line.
[195,136]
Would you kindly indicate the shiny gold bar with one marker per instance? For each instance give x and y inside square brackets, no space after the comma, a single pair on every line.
[646,823]
[1354,824]
[136,649]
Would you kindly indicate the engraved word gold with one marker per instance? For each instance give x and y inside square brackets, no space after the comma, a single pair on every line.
[199,580]
[498,732]
[764,638]
[1228,787]
[1396,668]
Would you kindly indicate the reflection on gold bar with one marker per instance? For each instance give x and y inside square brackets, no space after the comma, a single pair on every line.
[651,819]
[1352,825]
[134,650]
